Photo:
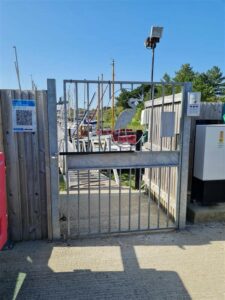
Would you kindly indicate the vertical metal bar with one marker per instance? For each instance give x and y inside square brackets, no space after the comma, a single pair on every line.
[88,146]
[78,150]
[119,200]
[99,201]
[149,201]
[88,114]
[109,103]
[110,171]
[98,106]
[152,69]
[171,139]
[52,159]
[159,196]
[129,213]
[169,179]
[185,127]
[99,148]
[168,198]
[162,110]
[160,169]
[85,99]
[98,116]
[102,97]
[152,117]
[65,117]
[78,202]
[113,93]
[139,200]
[180,160]
[151,137]
[89,204]
[77,121]
[66,167]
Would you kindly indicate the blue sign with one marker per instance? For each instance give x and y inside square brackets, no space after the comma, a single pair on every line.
[24,115]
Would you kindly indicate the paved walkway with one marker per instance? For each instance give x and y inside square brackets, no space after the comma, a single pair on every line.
[189,264]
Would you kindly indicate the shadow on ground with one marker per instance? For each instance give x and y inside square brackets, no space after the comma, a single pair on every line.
[107,268]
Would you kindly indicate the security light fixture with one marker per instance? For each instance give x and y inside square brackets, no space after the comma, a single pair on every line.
[156,32]
[155,36]
[150,43]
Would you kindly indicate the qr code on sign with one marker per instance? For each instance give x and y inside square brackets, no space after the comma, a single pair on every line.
[24,117]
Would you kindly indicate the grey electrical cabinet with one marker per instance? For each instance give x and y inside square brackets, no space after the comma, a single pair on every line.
[209,164]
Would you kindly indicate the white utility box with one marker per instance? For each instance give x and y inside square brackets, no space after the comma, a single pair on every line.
[209,161]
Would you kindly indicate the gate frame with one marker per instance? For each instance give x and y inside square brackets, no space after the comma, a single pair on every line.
[185,134]
[185,130]
[53,158]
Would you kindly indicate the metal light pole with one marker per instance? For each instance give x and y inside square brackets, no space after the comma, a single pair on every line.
[113,109]
[150,43]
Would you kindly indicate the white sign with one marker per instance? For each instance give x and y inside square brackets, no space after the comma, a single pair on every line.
[194,104]
[24,115]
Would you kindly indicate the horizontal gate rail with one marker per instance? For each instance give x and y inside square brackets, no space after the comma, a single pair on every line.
[121,160]
[121,82]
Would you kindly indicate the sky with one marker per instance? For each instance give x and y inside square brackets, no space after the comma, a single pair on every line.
[78,39]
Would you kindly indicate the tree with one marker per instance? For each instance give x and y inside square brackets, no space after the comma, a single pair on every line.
[210,84]
[185,74]
[215,78]
[200,85]
[168,88]
[125,95]
[166,78]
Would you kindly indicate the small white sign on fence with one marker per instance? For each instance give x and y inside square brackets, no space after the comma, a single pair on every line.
[194,104]
[24,115]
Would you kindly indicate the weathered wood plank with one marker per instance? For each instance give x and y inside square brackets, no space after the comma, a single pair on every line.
[36,179]
[12,168]
[43,158]
[23,179]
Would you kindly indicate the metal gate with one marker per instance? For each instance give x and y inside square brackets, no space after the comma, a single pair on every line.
[122,180]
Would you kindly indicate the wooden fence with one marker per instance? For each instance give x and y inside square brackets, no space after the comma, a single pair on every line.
[209,112]
[27,169]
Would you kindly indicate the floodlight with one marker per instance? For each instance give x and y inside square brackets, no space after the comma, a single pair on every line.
[151,42]
[156,32]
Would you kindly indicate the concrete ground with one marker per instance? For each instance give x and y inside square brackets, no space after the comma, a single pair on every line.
[187,264]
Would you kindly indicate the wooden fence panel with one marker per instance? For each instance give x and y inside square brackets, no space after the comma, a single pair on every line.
[44,174]
[27,165]
[209,111]
[12,165]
